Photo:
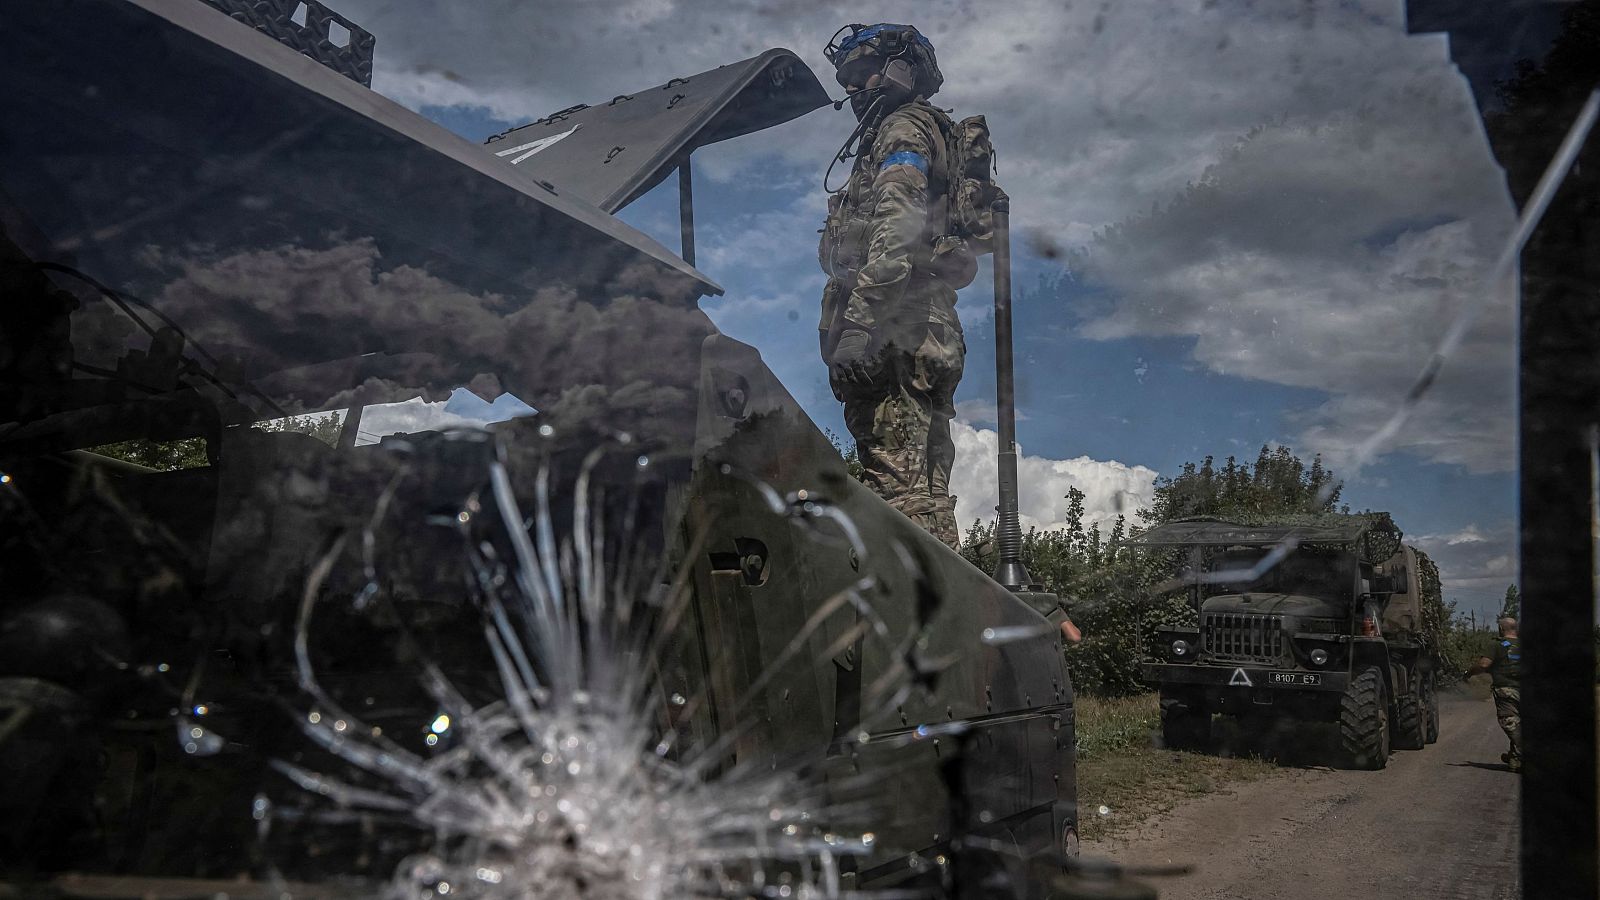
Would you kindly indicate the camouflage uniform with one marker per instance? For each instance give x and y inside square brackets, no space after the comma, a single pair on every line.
[1505,668]
[877,249]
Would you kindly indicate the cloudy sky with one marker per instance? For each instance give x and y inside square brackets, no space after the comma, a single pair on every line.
[1238,224]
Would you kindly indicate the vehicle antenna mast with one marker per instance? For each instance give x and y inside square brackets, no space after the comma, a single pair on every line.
[1009,571]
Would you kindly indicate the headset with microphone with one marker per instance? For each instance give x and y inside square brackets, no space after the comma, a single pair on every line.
[899,80]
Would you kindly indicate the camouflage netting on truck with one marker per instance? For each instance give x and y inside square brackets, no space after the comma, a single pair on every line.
[1381,541]
[1416,610]
[1435,614]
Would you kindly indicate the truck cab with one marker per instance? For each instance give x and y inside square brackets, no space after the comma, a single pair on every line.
[1305,623]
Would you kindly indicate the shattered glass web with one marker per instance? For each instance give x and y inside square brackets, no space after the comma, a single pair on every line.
[563,789]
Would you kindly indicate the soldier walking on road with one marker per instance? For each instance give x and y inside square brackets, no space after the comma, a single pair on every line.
[1504,667]
[889,329]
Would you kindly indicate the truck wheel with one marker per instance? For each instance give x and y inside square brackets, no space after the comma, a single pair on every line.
[1185,724]
[1410,720]
[1364,721]
[1430,704]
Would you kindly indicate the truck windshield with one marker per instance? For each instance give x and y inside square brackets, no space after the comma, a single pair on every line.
[1313,573]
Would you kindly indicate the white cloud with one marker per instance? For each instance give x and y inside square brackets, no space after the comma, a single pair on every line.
[1326,250]
[1111,488]
[462,410]
[1467,535]
[762,237]
[408,417]
[744,317]
[1476,563]
[1347,295]
[981,411]
[1098,110]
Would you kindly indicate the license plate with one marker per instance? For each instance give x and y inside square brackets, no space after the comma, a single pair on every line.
[1294,678]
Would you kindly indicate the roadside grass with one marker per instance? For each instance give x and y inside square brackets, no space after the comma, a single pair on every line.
[1121,771]
[1107,727]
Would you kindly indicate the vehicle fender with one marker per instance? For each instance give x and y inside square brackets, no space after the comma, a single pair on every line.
[1372,652]
[1010,700]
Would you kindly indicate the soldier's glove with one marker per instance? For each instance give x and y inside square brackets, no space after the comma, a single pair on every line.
[851,363]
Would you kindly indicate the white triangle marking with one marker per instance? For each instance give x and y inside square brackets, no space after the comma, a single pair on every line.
[1240,679]
[533,147]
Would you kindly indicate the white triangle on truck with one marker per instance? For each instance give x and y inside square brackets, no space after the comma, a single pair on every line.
[1240,679]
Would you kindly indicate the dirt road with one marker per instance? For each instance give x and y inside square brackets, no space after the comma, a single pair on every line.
[1437,823]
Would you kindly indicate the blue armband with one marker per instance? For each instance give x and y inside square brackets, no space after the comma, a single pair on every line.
[906,158]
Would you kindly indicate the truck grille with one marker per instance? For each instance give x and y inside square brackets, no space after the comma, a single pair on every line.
[1241,637]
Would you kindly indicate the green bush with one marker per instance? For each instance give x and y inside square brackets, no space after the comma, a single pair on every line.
[192,452]
[1106,588]
[1463,644]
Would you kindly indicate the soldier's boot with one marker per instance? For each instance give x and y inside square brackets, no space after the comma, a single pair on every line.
[1510,719]
[945,527]
[935,515]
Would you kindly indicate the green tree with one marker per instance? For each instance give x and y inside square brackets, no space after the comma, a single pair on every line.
[1106,587]
[163,456]
[325,427]
[190,453]
[1462,644]
[1278,485]
[847,451]
[1512,607]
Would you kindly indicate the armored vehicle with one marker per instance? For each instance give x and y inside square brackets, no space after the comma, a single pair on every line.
[1311,623]
[267,339]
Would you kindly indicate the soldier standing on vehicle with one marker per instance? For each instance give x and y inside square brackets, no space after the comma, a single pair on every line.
[889,329]
[1504,667]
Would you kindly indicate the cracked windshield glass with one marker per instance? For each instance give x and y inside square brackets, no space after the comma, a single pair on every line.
[646,449]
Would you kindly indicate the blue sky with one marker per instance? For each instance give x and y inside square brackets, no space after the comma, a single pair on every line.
[1234,226]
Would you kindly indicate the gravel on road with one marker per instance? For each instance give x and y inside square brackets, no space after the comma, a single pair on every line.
[1436,823]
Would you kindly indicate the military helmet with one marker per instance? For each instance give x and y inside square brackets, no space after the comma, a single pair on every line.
[867,49]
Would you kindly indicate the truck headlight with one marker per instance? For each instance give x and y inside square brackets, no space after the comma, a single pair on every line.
[1181,648]
[1319,656]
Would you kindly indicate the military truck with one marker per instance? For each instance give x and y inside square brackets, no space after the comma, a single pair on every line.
[1323,622]
[208,225]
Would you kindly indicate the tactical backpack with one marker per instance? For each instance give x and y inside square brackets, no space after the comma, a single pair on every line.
[973,191]
[970,195]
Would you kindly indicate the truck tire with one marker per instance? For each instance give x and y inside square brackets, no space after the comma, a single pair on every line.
[1410,720]
[1364,721]
[1185,724]
[1430,706]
